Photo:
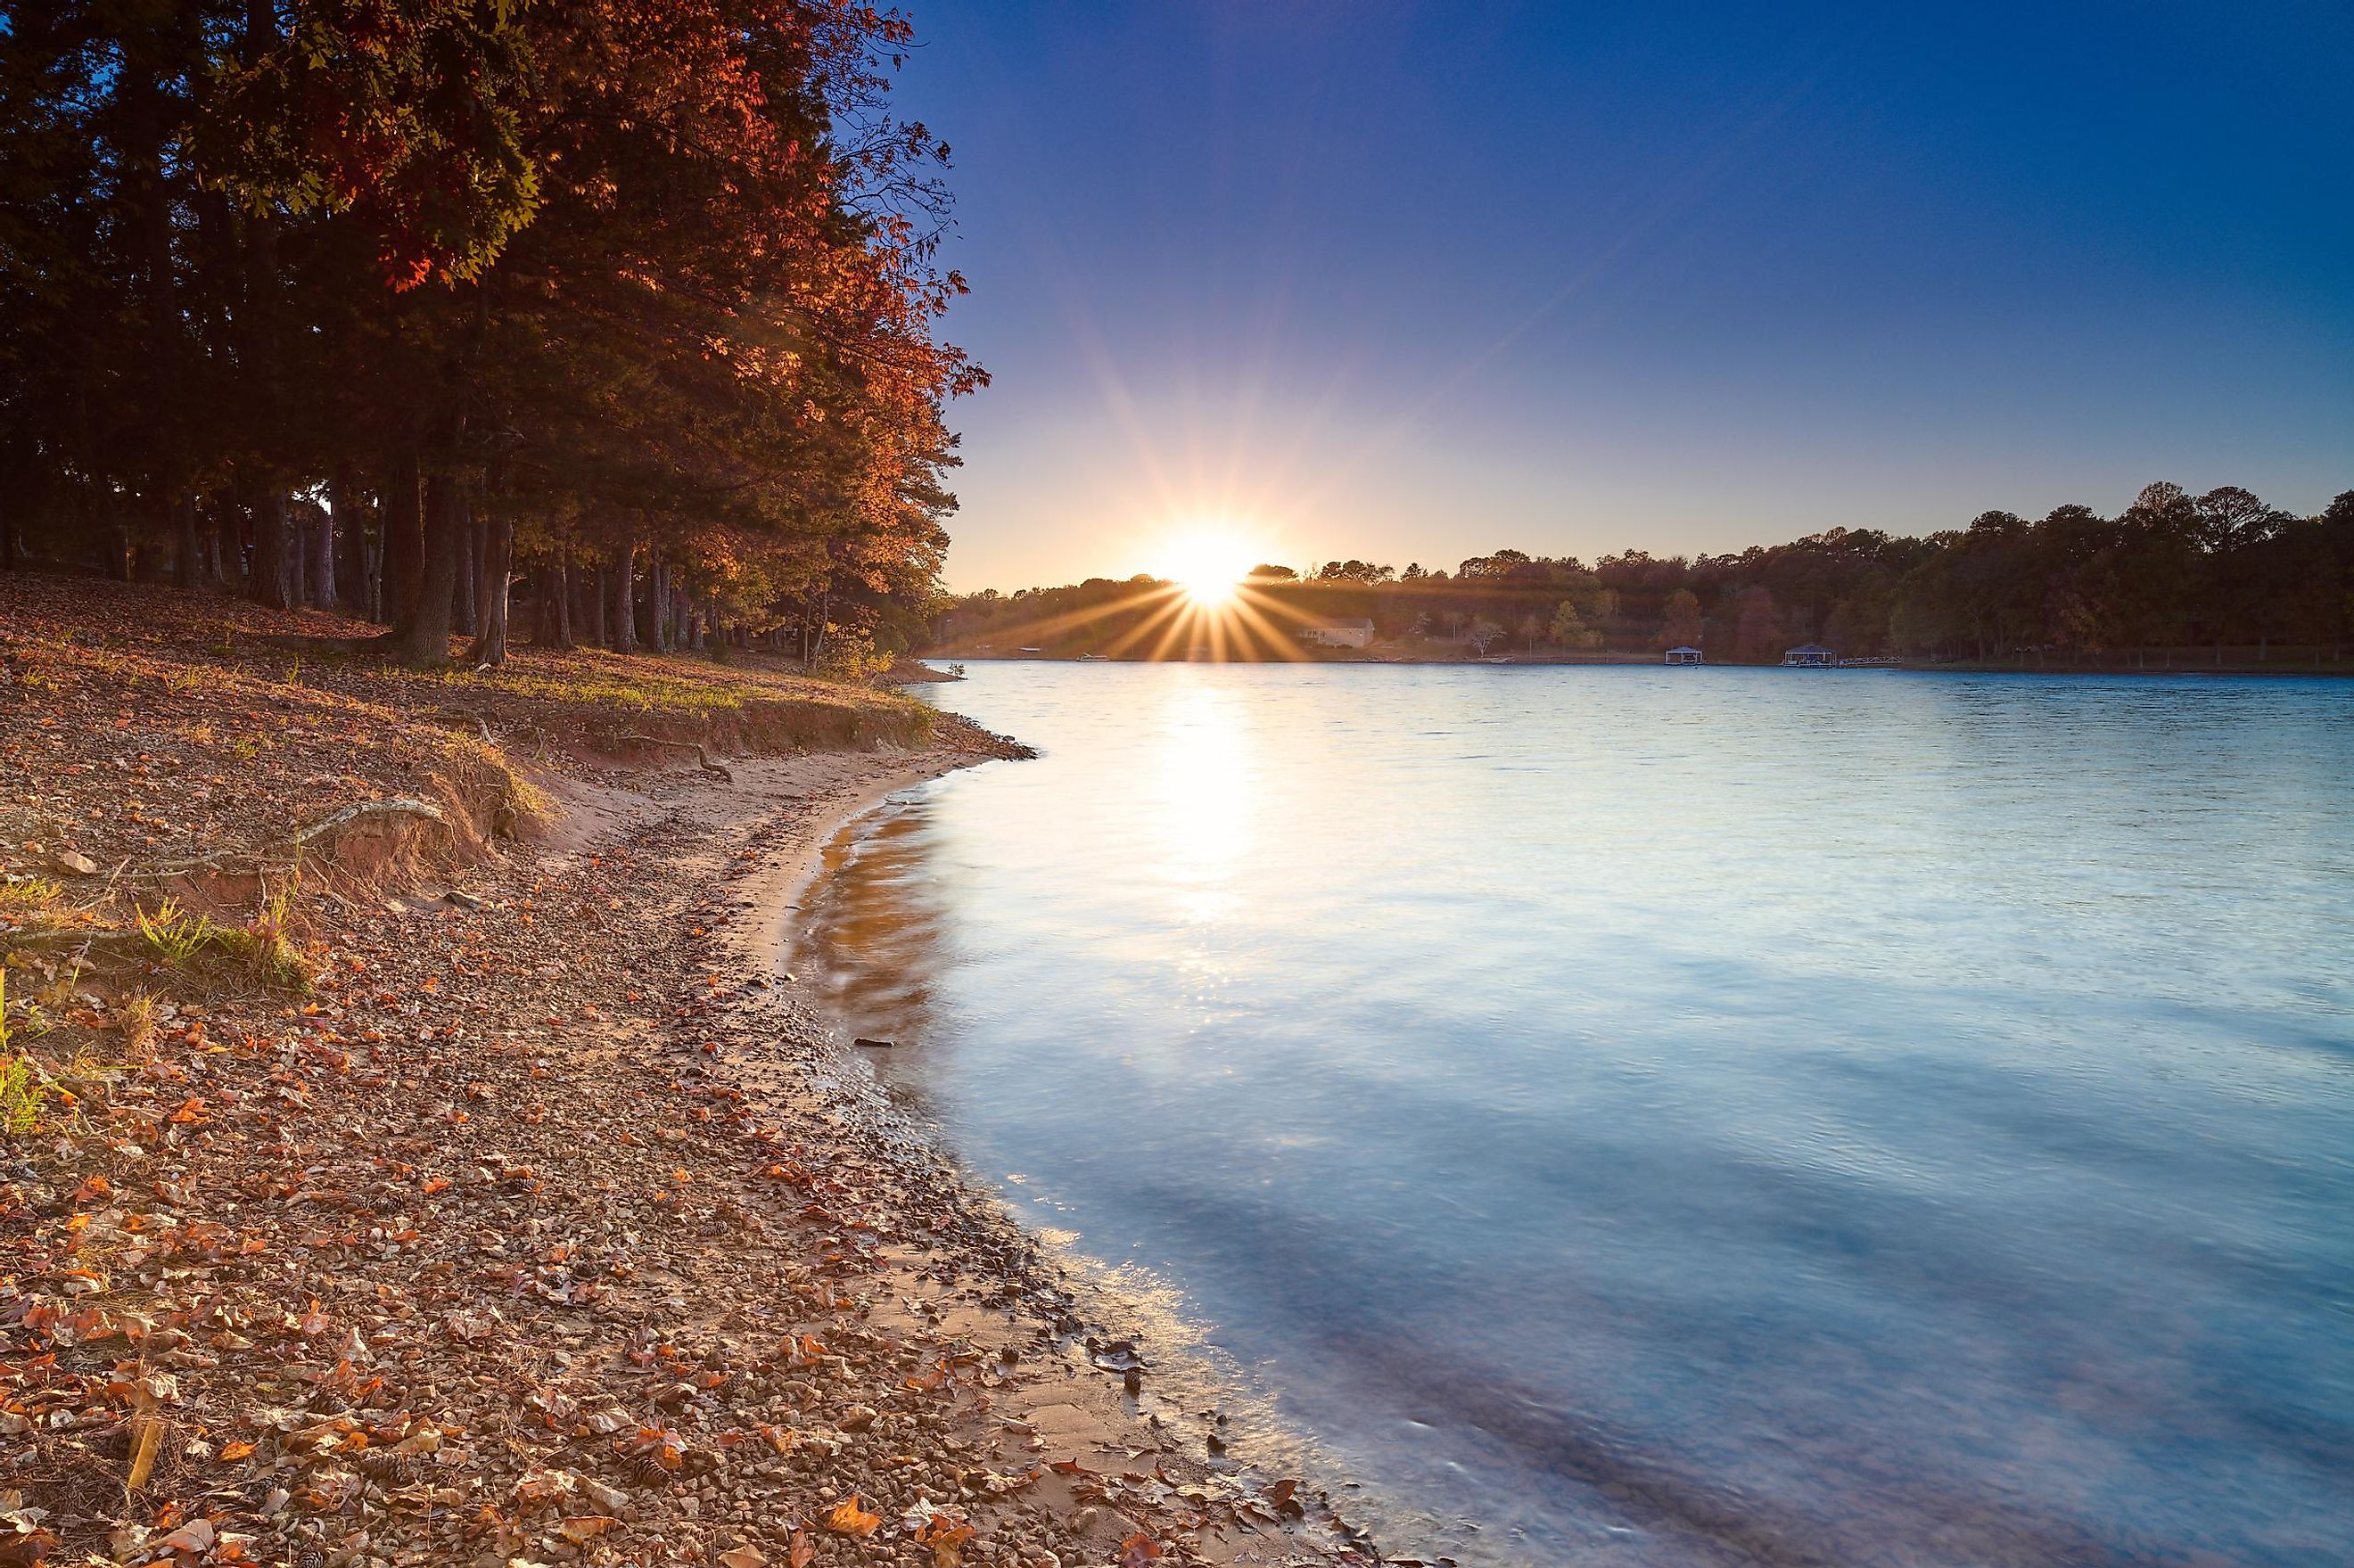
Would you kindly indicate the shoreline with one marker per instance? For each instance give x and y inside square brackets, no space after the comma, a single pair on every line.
[1088,1325]
[517,1213]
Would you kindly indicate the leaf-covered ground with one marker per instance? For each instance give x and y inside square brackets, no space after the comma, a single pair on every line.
[485,1204]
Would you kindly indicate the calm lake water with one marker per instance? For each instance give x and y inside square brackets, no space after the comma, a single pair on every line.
[1681,1116]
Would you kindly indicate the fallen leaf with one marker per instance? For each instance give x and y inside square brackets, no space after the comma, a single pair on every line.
[849,1519]
[1137,1550]
[237,1450]
[946,1537]
[802,1552]
[196,1535]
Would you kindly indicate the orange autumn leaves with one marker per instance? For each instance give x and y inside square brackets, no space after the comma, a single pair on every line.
[850,1519]
[944,1535]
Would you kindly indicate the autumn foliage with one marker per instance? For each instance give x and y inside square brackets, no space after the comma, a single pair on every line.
[389,304]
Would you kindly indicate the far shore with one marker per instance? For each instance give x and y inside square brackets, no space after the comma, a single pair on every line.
[2173,661]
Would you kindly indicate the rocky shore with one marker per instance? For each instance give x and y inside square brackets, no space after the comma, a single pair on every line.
[483,1195]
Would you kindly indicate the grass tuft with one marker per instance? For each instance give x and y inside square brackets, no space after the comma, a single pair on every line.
[260,947]
[23,1089]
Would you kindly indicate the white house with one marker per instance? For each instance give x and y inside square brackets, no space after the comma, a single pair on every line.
[1809,656]
[1356,633]
[1684,656]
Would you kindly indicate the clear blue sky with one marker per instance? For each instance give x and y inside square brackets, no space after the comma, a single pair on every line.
[1414,282]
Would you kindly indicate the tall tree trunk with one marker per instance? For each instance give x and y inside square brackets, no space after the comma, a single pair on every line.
[143,85]
[466,603]
[188,562]
[599,598]
[813,628]
[273,565]
[298,559]
[404,537]
[625,610]
[349,549]
[498,561]
[422,639]
[560,580]
[322,560]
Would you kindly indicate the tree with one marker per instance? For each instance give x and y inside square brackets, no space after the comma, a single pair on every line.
[1679,625]
[1569,629]
[1757,633]
[553,281]
[1482,635]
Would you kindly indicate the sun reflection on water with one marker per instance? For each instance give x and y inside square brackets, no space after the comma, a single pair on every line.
[1202,777]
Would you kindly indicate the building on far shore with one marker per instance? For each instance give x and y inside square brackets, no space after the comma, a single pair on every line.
[1809,656]
[1358,633]
[1684,656]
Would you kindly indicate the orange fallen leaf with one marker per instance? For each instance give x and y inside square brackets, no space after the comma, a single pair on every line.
[849,1519]
[1137,1550]
[802,1552]
[946,1537]
[237,1450]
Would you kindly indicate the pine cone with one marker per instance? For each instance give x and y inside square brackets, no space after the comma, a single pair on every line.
[390,1469]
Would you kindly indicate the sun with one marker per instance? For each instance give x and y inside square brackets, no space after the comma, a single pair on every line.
[1208,567]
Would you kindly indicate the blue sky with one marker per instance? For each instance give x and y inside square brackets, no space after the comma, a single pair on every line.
[1414,282]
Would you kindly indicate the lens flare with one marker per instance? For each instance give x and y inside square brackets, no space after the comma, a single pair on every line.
[1208,566]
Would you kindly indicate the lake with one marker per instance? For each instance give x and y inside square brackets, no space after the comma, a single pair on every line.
[1639,1116]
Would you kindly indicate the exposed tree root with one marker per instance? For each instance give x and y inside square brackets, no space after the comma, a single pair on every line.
[701,755]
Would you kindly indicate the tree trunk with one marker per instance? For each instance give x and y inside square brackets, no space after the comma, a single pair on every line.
[143,85]
[346,517]
[422,639]
[599,597]
[466,602]
[404,537]
[625,610]
[813,629]
[560,581]
[322,560]
[188,564]
[298,560]
[274,564]
[490,647]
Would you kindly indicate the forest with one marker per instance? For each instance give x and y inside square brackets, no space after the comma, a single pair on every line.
[411,307]
[2217,578]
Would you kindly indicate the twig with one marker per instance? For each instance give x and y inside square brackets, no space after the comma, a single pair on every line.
[701,755]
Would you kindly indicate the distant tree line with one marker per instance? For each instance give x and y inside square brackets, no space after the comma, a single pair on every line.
[2173,573]
[389,304]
